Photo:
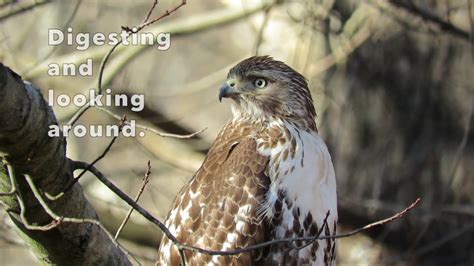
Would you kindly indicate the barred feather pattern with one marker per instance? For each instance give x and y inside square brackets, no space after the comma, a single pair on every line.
[267,176]
[259,182]
[302,190]
[217,210]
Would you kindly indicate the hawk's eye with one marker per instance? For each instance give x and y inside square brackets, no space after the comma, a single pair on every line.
[260,83]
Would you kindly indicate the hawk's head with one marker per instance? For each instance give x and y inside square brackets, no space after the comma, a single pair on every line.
[263,87]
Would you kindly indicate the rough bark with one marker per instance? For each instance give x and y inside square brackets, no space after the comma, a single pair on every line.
[24,143]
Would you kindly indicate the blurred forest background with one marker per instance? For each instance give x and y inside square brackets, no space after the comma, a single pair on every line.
[392,83]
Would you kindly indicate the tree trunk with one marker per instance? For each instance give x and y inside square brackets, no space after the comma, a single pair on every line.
[24,143]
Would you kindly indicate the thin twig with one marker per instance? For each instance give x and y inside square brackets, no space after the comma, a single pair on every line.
[287,240]
[102,66]
[182,26]
[320,231]
[161,134]
[84,108]
[146,179]
[155,2]
[125,197]
[147,23]
[105,59]
[60,219]
[107,149]
[100,157]
[76,116]
[24,220]
[14,184]
[180,246]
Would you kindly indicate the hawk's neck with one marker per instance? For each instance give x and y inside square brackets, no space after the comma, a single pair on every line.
[249,112]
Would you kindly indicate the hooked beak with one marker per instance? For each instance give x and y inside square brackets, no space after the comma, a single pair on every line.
[226,91]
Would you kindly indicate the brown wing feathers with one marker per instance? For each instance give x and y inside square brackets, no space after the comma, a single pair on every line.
[218,209]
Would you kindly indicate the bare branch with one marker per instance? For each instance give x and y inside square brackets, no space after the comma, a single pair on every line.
[84,108]
[155,2]
[162,134]
[106,58]
[25,113]
[106,150]
[181,246]
[179,27]
[325,224]
[425,15]
[25,222]
[146,179]
[287,240]
[100,157]
[146,21]
[59,219]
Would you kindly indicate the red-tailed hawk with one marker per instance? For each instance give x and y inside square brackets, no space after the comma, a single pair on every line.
[267,176]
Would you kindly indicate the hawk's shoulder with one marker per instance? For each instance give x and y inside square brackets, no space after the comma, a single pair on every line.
[219,208]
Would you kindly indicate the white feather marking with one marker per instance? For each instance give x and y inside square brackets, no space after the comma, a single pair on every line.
[310,186]
[172,215]
[230,240]
[194,195]
[185,212]
[215,260]
[200,242]
[244,210]
[239,226]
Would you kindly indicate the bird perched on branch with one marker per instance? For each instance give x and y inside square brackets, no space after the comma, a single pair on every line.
[268,176]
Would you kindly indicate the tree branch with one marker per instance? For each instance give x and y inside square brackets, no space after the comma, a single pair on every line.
[184,26]
[180,246]
[25,144]
[106,58]
[146,179]
[427,16]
